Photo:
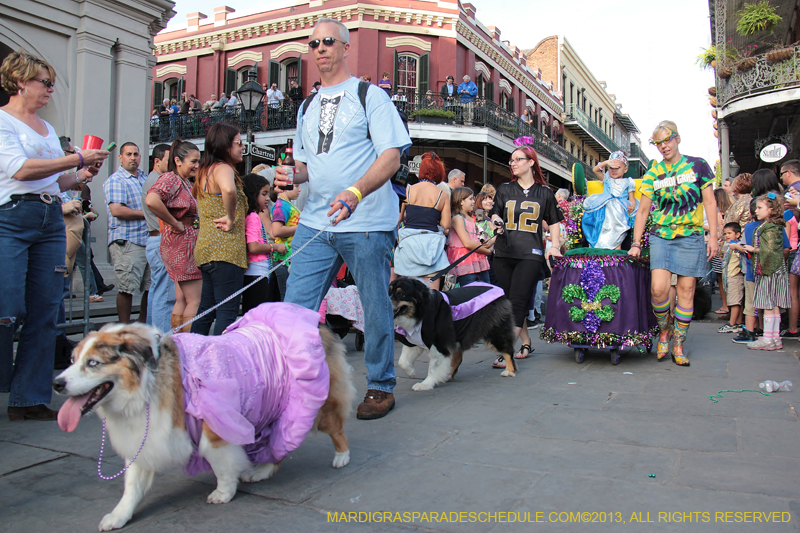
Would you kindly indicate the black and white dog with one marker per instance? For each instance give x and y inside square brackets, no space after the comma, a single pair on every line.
[448,323]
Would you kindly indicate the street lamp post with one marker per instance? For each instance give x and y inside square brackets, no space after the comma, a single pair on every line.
[250,95]
[734,166]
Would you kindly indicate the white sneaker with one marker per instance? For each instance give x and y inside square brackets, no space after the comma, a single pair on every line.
[764,344]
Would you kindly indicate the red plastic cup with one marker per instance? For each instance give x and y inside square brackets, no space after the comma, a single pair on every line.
[90,142]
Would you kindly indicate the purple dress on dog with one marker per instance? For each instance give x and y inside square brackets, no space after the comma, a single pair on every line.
[259,384]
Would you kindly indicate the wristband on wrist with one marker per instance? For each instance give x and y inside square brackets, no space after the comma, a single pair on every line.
[77,178]
[356,192]
[81,158]
[636,245]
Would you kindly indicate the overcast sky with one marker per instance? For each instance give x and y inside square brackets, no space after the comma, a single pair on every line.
[645,51]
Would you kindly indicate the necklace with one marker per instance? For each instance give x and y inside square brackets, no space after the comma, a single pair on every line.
[424,180]
[103,445]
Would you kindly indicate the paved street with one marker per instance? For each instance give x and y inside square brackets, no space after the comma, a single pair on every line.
[559,438]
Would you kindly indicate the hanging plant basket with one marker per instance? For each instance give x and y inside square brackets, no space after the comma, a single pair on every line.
[725,72]
[746,64]
[776,56]
[712,91]
[756,17]
[714,64]
[713,101]
[714,114]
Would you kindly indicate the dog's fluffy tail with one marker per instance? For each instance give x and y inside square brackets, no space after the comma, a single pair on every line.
[342,391]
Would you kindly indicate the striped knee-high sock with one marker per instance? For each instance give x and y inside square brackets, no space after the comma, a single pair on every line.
[683,316]
[661,310]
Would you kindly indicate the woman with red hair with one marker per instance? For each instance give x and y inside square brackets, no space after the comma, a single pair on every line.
[520,207]
[420,250]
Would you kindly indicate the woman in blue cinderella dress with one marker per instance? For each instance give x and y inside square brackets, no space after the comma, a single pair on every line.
[609,215]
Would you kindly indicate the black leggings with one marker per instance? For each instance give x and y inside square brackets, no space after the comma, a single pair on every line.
[518,278]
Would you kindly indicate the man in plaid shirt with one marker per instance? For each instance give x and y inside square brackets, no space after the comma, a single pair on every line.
[127,231]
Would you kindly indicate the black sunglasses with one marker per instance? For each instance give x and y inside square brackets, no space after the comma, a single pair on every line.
[327,41]
[47,83]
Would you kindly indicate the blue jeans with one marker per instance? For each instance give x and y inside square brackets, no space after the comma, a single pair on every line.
[220,280]
[34,246]
[161,298]
[469,278]
[367,255]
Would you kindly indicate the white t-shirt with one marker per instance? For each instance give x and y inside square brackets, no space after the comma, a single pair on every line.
[18,143]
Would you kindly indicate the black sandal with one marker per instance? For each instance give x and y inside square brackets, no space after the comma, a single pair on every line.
[519,355]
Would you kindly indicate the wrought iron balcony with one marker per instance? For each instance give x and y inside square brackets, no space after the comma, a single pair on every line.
[166,129]
[761,76]
[476,113]
[582,124]
[637,153]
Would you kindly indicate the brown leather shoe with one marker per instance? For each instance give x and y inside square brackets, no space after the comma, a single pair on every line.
[376,404]
[33,412]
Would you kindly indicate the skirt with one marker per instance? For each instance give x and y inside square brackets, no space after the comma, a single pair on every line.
[772,291]
[684,256]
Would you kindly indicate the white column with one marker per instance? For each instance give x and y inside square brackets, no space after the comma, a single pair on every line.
[724,149]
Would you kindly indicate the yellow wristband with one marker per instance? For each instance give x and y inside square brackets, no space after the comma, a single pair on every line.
[356,192]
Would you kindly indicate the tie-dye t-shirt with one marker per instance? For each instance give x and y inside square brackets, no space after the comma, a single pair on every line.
[677,192]
[285,211]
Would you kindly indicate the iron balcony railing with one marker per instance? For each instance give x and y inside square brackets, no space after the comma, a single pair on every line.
[576,114]
[774,71]
[637,153]
[166,129]
[476,113]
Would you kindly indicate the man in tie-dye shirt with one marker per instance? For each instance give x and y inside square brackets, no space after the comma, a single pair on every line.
[676,187]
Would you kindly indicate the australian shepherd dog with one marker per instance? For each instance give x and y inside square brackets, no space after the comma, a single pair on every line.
[132,376]
[425,321]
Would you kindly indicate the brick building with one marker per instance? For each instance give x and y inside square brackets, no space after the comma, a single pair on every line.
[419,43]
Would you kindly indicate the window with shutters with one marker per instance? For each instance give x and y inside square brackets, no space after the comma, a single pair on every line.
[407,74]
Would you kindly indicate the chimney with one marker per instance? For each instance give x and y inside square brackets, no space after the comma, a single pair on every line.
[495,31]
[194,21]
[470,9]
[221,15]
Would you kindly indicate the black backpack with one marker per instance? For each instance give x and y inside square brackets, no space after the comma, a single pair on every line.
[401,176]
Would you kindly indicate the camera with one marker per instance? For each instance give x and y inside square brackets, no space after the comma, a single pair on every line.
[498,223]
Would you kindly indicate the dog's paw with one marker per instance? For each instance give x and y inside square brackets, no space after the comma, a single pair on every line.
[421,386]
[341,459]
[508,374]
[219,496]
[259,473]
[112,521]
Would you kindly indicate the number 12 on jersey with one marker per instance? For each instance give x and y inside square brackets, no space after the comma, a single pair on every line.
[527,219]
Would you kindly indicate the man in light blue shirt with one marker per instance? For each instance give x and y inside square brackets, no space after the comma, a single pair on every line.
[467,90]
[348,154]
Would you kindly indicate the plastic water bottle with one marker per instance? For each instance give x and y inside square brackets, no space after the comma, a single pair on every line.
[774,386]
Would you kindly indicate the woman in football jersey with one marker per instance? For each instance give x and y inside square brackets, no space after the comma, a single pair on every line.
[520,207]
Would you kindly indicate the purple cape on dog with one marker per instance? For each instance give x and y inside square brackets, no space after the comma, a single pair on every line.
[259,385]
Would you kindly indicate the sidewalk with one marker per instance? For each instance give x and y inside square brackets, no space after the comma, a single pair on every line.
[561,437]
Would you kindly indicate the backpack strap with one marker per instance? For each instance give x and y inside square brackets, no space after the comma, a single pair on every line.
[363,87]
[307,102]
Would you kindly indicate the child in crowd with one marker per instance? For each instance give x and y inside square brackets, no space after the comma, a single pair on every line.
[285,217]
[464,237]
[733,277]
[751,329]
[260,242]
[772,282]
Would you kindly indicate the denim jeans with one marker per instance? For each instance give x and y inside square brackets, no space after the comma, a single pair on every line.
[161,298]
[80,263]
[220,280]
[34,246]
[469,278]
[367,255]
[281,277]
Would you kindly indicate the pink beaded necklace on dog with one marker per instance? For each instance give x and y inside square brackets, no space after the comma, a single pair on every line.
[103,445]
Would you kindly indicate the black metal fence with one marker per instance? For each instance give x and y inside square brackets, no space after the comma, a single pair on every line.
[475,112]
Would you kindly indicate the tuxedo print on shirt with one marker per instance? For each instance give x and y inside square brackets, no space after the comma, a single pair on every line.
[328,109]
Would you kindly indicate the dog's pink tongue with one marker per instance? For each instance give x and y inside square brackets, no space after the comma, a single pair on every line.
[70,413]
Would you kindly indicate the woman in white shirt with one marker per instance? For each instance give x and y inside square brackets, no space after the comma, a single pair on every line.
[33,170]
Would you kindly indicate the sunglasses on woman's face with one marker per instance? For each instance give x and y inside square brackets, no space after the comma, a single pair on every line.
[327,41]
[663,141]
[47,83]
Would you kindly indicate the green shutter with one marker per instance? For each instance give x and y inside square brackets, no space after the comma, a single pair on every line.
[158,93]
[181,88]
[274,73]
[490,91]
[394,78]
[424,74]
[230,81]
[300,71]
[510,105]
